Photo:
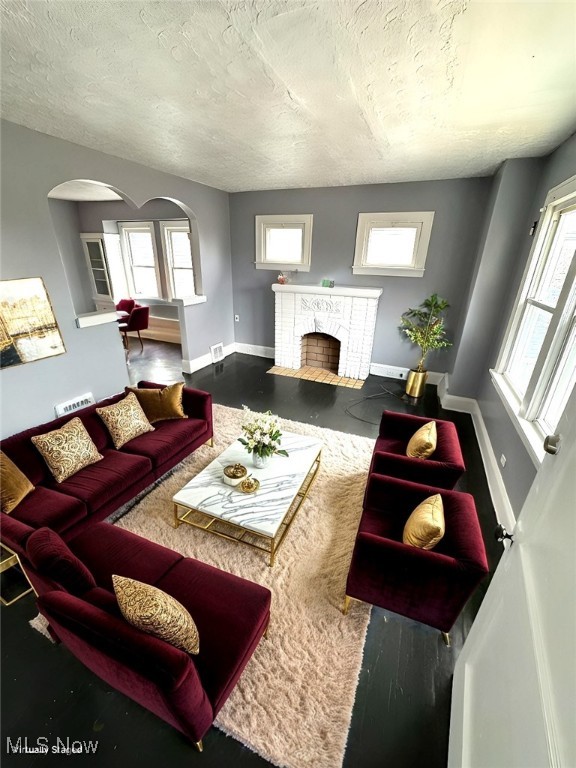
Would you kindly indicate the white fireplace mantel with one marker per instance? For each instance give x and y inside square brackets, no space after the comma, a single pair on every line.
[345,312]
[338,290]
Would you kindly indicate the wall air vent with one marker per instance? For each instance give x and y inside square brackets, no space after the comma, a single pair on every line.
[217,352]
[62,409]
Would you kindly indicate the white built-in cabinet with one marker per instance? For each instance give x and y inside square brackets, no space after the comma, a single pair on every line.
[98,269]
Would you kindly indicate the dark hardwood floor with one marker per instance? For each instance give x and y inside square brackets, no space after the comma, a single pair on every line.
[402,708]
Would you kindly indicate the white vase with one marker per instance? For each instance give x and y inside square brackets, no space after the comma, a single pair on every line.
[260,461]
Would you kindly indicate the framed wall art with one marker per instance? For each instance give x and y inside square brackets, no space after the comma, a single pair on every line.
[28,328]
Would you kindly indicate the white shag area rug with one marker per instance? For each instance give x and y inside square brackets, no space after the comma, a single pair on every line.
[293,702]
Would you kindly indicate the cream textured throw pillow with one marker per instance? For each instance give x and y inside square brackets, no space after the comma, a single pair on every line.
[153,611]
[425,526]
[67,450]
[422,444]
[125,420]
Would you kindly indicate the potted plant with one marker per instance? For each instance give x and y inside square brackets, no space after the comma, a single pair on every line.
[424,326]
[262,436]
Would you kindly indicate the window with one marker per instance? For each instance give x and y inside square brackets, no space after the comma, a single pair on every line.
[392,243]
[176,240]
[139,249]
[536,370]
[284,242]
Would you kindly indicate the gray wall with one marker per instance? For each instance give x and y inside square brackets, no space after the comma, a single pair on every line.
[459,207]
[34,163]
[523,186]
[66,228]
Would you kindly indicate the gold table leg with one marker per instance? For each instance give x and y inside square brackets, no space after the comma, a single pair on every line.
[177,520]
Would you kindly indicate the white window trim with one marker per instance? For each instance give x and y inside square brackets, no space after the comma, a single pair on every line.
[530,431]
[123,228]
[278,220]
[182,225]
[368,220]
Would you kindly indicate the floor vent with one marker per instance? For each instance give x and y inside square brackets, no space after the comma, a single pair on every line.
[73,405]
[217,352]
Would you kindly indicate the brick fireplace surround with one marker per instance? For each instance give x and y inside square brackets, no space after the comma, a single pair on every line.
[345,312]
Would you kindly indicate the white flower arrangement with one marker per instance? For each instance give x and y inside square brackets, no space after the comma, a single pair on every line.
[262,433]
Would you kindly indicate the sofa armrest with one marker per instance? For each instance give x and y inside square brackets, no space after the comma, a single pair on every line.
[443,474]
[400,425]
[14,534]
[395,495]
[196,403]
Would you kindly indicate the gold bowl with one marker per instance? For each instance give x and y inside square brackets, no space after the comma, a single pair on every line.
[234,474]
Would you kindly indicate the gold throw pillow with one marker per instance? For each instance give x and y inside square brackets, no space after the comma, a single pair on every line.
[161,404]
[422,444]
[14,485]
[67,450]
[125,420]
[425,526]
[152,610]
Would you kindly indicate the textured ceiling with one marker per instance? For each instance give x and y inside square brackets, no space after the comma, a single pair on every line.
[295,93]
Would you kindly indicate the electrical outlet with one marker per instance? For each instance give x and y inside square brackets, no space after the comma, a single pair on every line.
[236,318]
[502,460]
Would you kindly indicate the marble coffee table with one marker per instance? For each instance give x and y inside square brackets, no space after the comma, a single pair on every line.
[260,519]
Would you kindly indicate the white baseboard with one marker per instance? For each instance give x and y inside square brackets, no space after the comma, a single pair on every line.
[396,372]
[254,349]
[190,366]
[498,493]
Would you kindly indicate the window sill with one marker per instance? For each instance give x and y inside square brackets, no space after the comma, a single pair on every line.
[530,434]
[101,317]
[388,271]
[282,267]
[193,300]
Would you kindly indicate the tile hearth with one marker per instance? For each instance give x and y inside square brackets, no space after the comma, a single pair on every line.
[320,375]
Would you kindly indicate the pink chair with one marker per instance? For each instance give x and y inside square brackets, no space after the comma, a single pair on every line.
[138,321]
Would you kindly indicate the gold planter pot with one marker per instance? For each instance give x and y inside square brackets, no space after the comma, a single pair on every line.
[416,382]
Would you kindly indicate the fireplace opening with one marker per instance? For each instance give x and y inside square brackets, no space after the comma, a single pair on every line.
[319,350]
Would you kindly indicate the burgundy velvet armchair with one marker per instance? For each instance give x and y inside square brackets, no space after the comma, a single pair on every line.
[126,305]
[75,594]
[137,321]
[442,469]
[429,586]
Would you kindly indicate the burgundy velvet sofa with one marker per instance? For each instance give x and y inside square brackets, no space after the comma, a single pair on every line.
[99,489]
[443,469]
[429,586]
[75,594]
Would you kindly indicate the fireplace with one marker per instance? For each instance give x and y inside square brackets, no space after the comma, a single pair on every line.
[345,313]
[319,350]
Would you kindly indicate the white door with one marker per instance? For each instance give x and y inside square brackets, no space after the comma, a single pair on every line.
[514,690]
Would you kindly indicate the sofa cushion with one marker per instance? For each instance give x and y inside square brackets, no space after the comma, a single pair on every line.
[108,549]
[422,444]
[14,485]
[99,484]
[167,440]
[125,420]
[67,450]
[425,526]
[153,611]
[231,614]
[161,404]
[49,507]
[52,558]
